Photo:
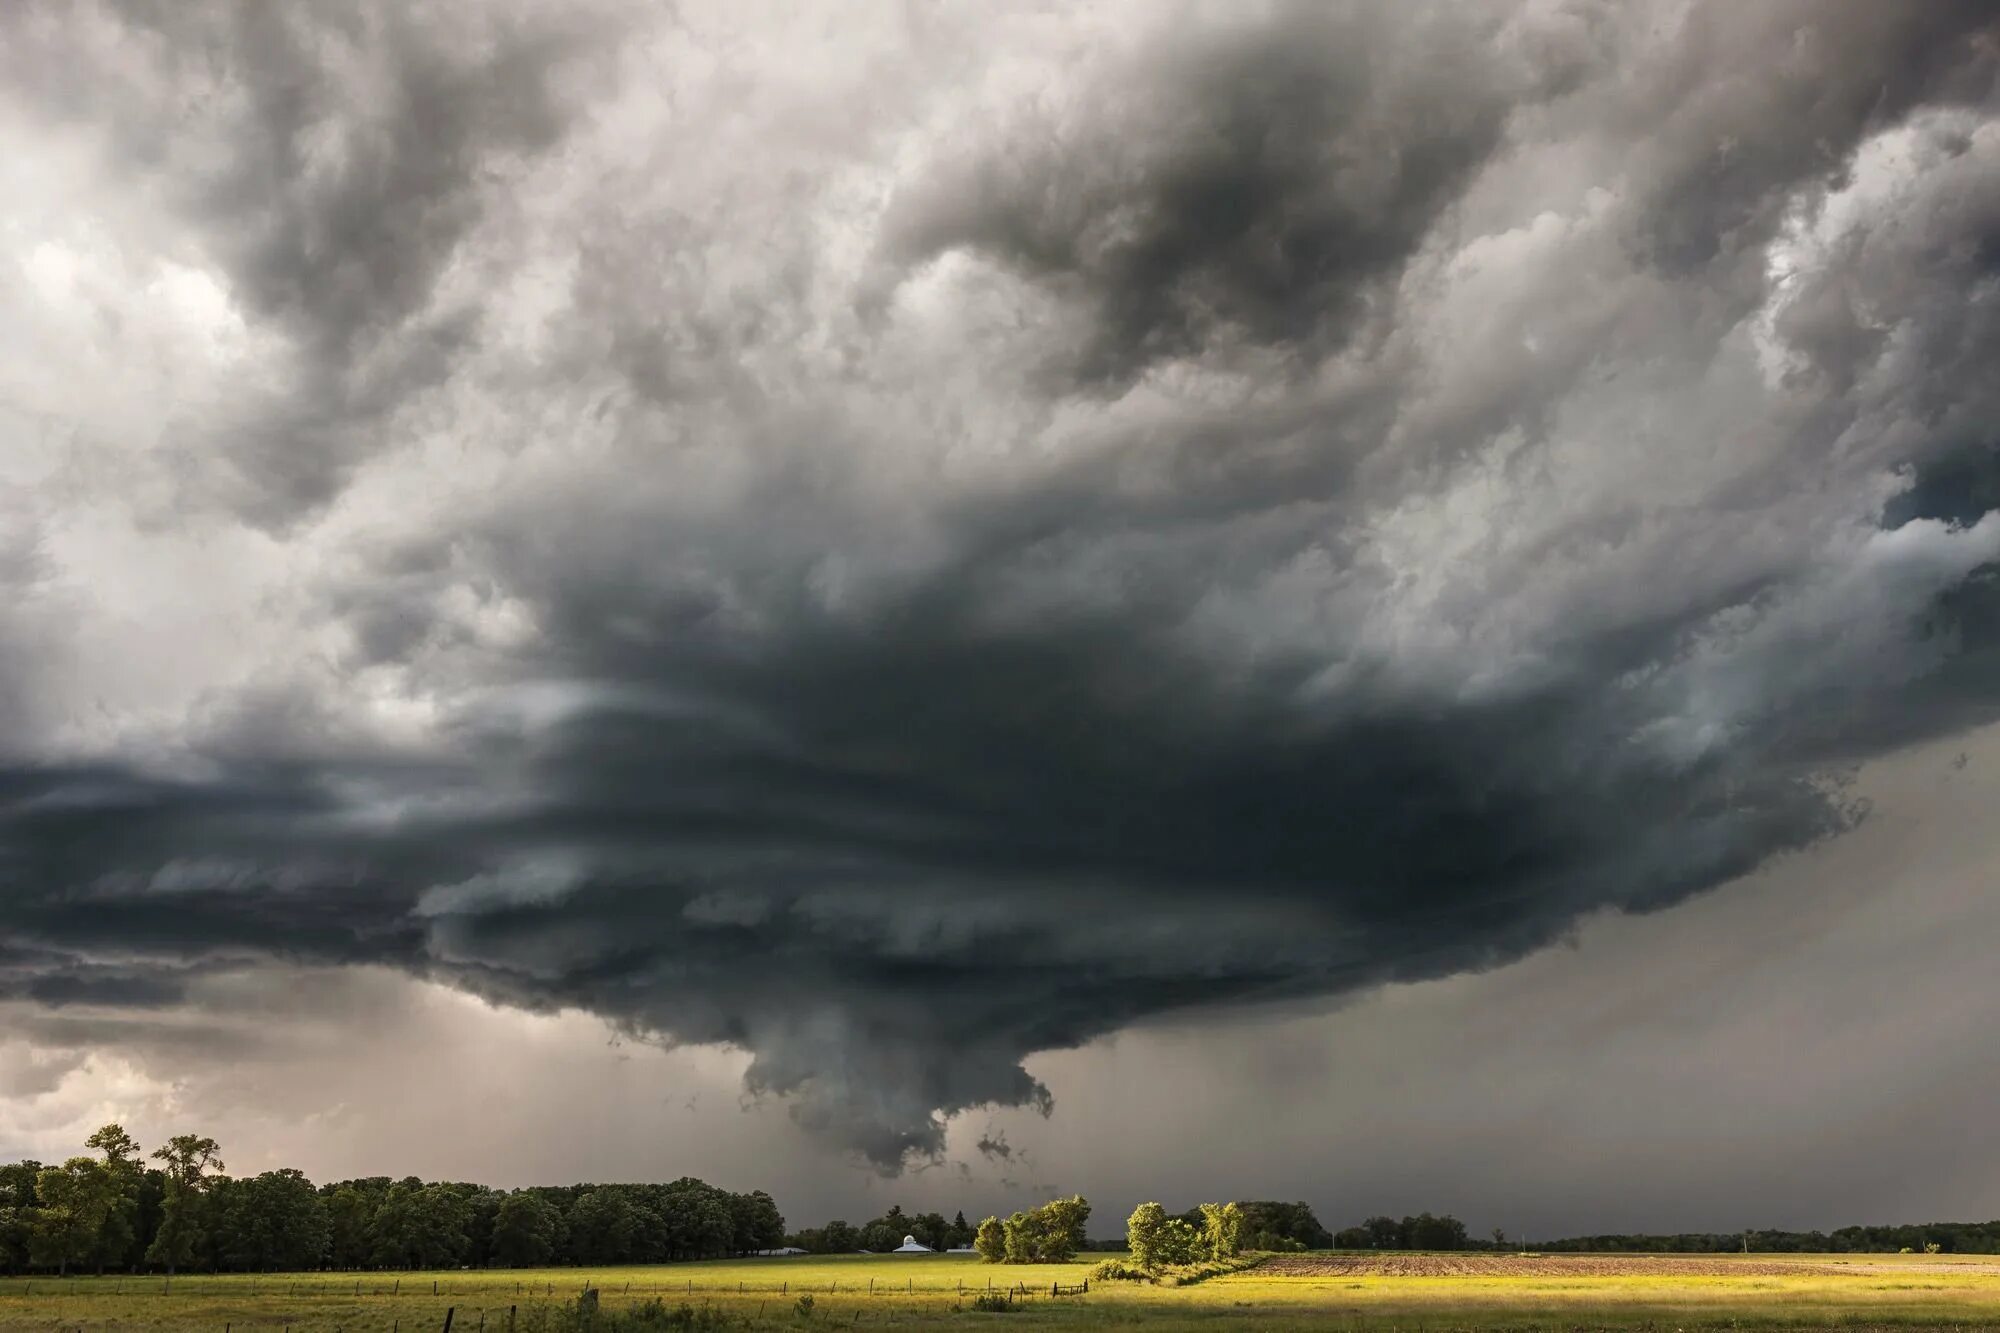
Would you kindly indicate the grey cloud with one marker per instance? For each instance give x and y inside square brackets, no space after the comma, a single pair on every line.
[1253,188]
[334,166]
[893,721]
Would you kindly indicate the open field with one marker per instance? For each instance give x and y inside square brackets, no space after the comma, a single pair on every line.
[1432,1292]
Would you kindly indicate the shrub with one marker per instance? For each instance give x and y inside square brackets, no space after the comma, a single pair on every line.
[1189,1274]
[994,1302]
[1117,1270]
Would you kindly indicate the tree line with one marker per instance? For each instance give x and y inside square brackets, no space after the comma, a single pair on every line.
[1428,1232]
[176,1209]
[1946,1237]
[885,1233]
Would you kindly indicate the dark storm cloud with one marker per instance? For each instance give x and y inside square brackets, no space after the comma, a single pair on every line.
[895,748]
[1261,189]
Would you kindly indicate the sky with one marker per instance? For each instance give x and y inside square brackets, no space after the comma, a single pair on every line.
[1393,605]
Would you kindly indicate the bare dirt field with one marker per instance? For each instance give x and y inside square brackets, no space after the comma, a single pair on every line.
[1592,1265]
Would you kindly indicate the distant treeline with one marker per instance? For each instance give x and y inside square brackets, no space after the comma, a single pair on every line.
[114,1212]
[1948,1237]
[1427,1232]
[885,1233]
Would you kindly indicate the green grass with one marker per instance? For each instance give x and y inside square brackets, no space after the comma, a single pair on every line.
[1879,1291]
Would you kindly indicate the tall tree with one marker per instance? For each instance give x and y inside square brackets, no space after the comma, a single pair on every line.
[186,1160]
[1221,1229]
[121,1161]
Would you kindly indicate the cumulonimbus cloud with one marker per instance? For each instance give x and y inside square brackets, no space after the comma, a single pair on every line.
[901,562]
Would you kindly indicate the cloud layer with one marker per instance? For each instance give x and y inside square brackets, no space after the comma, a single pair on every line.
[901,546]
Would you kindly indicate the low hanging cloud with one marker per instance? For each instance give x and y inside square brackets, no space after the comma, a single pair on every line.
[902,546]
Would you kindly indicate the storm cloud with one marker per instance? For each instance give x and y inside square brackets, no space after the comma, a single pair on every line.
[903,545]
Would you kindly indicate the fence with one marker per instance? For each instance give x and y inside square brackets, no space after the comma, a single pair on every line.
[468,1301]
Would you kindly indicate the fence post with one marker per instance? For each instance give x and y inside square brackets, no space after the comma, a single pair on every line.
[510,1318]
[449,1312]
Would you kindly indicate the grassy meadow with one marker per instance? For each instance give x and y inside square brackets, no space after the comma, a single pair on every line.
[1790,1291]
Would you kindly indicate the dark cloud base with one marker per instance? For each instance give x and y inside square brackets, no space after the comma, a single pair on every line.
[1072,768]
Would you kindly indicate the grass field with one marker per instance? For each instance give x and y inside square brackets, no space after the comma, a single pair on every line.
[1428,1292]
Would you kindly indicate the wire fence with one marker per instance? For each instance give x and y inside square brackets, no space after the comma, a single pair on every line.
[210,1286]
[477,1303]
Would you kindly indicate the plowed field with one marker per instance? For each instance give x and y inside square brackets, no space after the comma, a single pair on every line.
[1581,1266]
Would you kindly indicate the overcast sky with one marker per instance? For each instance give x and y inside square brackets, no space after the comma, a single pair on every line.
[1390,604]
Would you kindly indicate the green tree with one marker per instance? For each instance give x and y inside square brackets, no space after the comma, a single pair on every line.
[1142,1235]
[695,1219]
[186,1160]
[931,1229]
[1384,1233]
[1021,1237]
[1180,1243]
[273,1222]
[74,1199]
[991,1241]
[758,1223]
[1221,1230]
[1425,1232]
[117,1238]
[421,1226]
[524,1231]
[350,1219]
[1270,1224]
[1052,1233]
[603,1227]
[1063,1228]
